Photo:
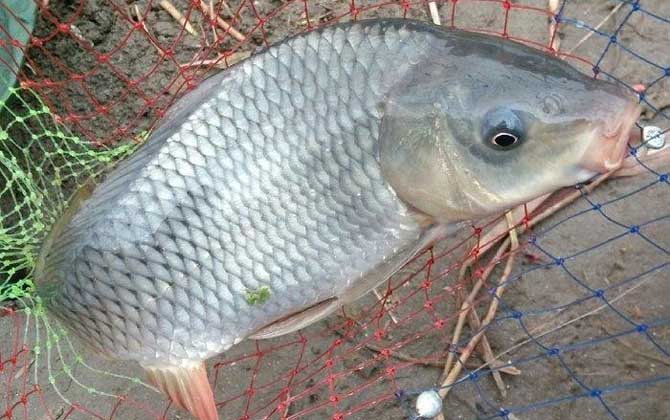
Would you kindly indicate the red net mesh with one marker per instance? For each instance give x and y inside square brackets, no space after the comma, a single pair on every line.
[569,332]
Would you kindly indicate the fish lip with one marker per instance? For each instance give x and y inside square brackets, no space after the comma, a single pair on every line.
[601,159]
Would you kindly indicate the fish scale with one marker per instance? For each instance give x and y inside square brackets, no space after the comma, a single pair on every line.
[299,179]
[272,181]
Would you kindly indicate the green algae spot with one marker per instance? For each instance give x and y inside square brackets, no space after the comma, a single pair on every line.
[258,296]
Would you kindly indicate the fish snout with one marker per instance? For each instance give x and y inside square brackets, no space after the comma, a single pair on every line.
[609,148]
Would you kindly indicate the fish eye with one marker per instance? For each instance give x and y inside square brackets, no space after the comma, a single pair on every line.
[504,139]
[503,129]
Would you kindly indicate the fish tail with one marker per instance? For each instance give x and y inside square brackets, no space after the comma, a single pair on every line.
[187,386]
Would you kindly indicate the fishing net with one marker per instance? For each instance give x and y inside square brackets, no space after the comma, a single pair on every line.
[557,310]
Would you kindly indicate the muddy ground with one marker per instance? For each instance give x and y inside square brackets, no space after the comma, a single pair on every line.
[593,376]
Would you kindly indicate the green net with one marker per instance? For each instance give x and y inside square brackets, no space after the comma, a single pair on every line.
[41,164]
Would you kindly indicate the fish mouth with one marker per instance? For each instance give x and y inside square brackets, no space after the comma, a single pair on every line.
[608,151]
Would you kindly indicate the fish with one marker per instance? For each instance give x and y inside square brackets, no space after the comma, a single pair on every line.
[294,182]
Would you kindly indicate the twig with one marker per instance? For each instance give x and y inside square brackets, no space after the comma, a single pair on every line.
[204,36]
[228,9]
[468,303]
[476,325]
[211,14]
[602,22]
[140,19]
[284,415]
[176,14]
[434,13]
[656,160]
[456,336]
[404,357]
[397,354]
[222,23]
[487,354]
[635,350]
[493,308]
[221,62]
[564,324]
[553,26]
[386,304]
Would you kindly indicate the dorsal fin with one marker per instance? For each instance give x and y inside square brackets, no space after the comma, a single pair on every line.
[187,386]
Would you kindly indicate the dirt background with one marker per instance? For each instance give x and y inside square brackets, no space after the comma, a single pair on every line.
[549,297]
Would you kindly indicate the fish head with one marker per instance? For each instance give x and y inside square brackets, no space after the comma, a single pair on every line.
[491,124]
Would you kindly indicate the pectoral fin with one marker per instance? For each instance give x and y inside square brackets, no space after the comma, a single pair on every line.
[187,386]
[298,320]
[385,270]
[362,286]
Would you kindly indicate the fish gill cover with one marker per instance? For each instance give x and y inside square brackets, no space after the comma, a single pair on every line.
[558,311]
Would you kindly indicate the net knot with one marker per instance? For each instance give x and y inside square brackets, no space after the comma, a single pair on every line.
[102,58]
[554,351]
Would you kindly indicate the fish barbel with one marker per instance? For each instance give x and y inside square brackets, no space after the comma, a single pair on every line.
[297,180]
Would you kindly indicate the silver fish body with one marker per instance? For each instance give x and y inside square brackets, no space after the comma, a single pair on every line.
[270,178]
[265,191]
